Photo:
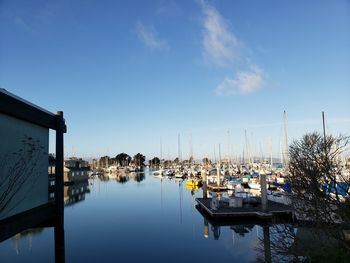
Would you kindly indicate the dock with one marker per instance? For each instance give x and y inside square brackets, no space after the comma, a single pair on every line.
[216,188]
[224,211]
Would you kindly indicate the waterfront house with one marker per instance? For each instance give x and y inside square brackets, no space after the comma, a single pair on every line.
[75,170]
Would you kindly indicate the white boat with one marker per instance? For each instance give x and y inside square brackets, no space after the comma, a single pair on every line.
[179,174]
[253,184]
[131,168]
[112,168]
[157,173]
[279,197]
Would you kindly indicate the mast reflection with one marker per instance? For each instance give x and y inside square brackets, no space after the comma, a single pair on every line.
[240,228]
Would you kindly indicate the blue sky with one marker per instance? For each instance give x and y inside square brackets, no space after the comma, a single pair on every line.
[127,73]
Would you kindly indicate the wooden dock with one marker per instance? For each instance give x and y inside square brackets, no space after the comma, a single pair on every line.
[224,211]
[216,188]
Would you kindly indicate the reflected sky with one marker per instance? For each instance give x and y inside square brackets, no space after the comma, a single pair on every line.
[152,220]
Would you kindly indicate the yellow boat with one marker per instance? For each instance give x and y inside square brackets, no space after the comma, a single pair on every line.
[193,183]
[191,188]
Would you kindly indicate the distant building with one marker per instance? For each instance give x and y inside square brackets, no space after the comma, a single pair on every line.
[103,162]
[94,164]
[76,170]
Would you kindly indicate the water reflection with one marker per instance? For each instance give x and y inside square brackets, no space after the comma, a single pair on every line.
[139,177]
[75,193]
[25,237]
[35,225]
[112,213]
[122,176]
[179,181]
[292,243]
[240,229]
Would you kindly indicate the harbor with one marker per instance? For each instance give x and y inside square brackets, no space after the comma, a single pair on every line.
[168,212]
[166,131]
[102,201]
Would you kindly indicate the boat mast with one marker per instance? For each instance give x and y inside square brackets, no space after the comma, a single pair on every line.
[286,155]
[161,148]
[324,133]
[191,149]
[214,153]
[218,168]
[246,144]
[270,152]
[229,148]
[281,152]
[178,147]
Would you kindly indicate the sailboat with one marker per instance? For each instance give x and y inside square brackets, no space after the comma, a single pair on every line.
[158,173]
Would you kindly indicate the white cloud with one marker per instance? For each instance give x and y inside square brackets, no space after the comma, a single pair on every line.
[220,45]
[244,82]
[19,21]
[149,37]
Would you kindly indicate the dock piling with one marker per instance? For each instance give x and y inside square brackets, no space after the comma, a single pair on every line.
[263,190]
[204,184]
[218,175]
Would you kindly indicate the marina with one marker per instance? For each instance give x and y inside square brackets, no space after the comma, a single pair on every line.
[166,131]
[157,209]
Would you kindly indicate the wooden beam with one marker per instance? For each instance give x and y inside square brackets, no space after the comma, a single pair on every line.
[59,172]
[16,107]
[28,219]
[59,240]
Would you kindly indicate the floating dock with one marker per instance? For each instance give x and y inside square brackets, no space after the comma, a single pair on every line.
[225,211]
[216,188]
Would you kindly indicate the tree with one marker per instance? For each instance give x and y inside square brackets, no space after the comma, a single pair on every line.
[139,159]
[167,163]
[52,159]
[123,159]
[154,161]
[296,243]
[206,161]
[320,182]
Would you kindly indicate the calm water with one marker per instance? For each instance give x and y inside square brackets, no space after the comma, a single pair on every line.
[149,220]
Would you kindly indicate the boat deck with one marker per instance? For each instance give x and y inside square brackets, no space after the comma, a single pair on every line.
[274,210]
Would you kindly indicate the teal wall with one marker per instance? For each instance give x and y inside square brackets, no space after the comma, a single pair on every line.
[23,166]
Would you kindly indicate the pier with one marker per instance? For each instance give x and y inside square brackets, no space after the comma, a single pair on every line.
[225,211]
[216,188]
